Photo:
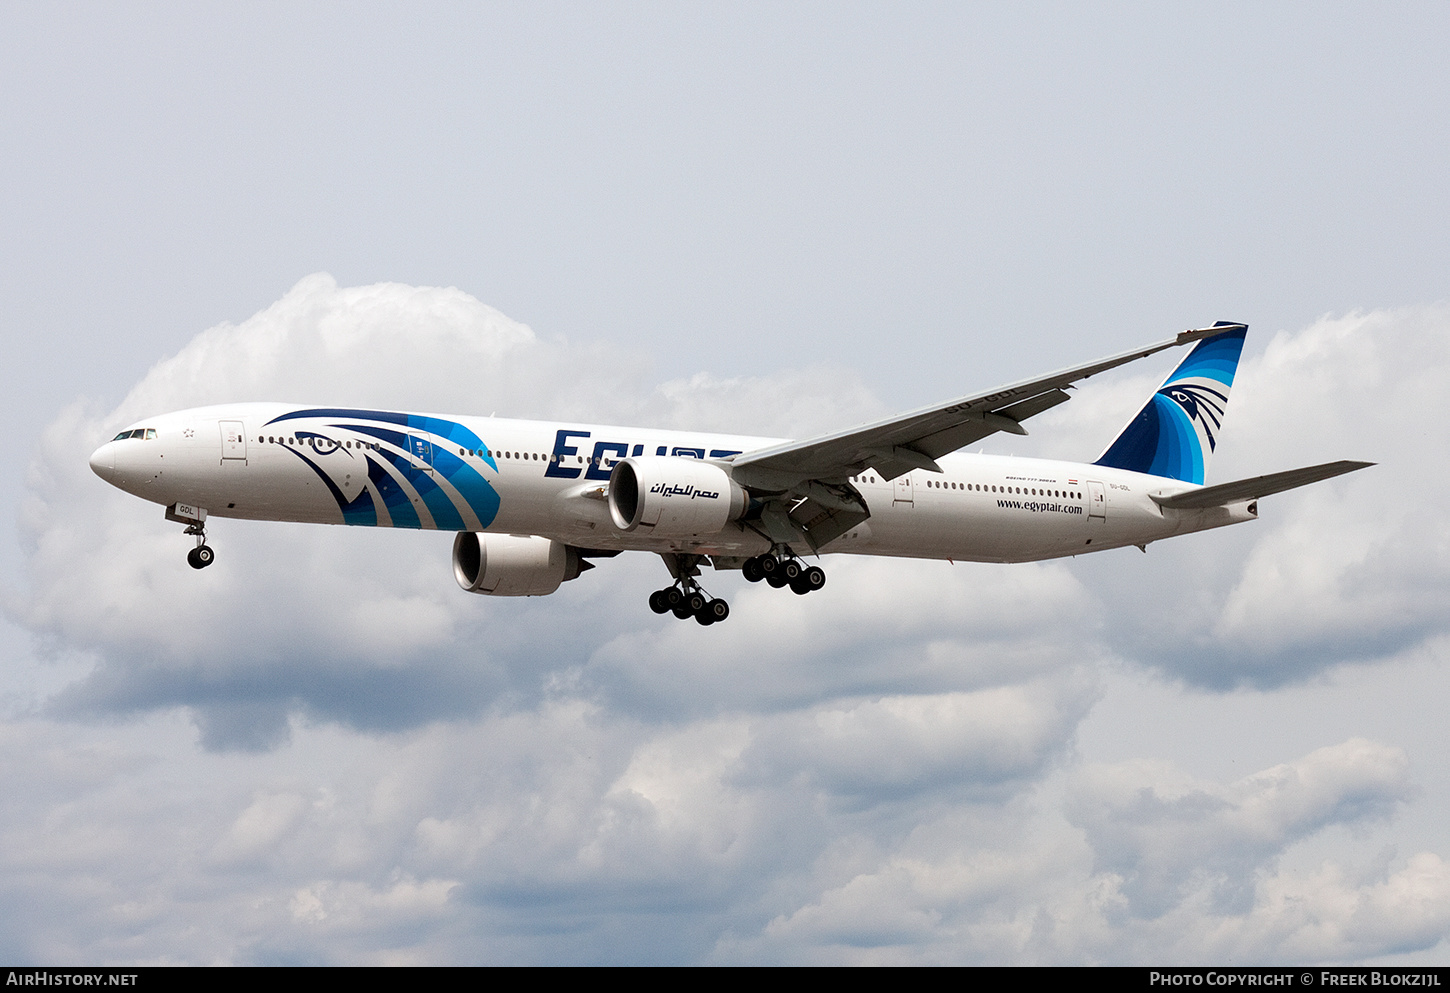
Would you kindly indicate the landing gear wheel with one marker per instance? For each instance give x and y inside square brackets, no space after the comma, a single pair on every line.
[695,602]
[799,586]
[674,601]
[200,557]
[791,570]
[776,579]
[713,612]
[658,601]
[752,569]
[769,565]
[815,578]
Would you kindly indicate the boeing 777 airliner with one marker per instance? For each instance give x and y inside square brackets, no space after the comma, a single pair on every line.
[532,502]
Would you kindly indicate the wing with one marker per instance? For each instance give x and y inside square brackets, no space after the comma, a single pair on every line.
[917,439]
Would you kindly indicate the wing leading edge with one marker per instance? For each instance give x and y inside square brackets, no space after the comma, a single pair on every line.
[915,440]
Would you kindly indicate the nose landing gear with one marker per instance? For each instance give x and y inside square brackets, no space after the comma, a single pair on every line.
[195,520]
[201,556]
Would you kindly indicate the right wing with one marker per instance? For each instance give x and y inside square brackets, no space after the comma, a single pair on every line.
[915,440]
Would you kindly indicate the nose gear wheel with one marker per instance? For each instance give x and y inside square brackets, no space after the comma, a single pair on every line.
[202,555]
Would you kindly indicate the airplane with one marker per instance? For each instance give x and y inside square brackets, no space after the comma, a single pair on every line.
[533,502]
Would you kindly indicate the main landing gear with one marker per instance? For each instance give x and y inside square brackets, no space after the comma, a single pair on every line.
[685,599]
[781,571]
[201,556]
[687,603]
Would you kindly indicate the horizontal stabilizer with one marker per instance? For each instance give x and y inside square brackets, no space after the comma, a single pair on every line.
[1258,486]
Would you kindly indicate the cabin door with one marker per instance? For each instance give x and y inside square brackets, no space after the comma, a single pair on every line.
[902,492]
[420,455]
[234,441]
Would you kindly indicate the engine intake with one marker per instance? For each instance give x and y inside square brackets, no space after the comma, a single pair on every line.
[513,565]
[673,497]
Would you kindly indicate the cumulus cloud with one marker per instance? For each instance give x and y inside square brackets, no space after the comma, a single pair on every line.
[391,770]
[718,840]
[895,746]
[1138,872]
[1167,837]
[1357,569]
[1343,571]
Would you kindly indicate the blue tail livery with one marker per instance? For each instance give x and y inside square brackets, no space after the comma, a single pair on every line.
[1176,432]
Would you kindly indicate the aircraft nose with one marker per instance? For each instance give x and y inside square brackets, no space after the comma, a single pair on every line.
[103,462]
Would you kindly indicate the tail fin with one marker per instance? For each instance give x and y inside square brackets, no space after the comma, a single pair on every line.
[1175,433]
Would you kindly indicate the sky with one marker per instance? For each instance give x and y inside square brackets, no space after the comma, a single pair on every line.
[773,219]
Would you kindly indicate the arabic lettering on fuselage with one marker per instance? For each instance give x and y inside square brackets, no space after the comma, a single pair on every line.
[607,452]
[674,489]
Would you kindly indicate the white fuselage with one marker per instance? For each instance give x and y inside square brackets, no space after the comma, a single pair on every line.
[283,462]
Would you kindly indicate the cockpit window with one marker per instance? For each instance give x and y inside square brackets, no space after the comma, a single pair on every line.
[123,434]
[150,434]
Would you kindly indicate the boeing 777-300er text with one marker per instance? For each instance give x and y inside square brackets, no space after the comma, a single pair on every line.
[532,502]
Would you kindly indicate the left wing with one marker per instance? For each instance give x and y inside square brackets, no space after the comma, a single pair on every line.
[917,439]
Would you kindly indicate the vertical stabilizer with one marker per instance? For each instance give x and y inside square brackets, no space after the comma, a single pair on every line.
[1175,433]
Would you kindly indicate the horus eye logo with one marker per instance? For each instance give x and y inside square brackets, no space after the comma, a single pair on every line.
[1204,406]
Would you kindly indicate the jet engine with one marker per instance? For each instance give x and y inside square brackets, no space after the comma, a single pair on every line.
[672,497]
[513,565]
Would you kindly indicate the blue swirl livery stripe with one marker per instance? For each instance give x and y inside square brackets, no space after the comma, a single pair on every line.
[1176,432]
[360,510]
[416,453]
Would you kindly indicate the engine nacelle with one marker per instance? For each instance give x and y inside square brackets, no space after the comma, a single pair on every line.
[673,497]
[513,565]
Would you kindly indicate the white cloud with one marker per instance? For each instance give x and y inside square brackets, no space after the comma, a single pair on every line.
[1165,837]
[391,770]
[895,746]
[1344,570]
